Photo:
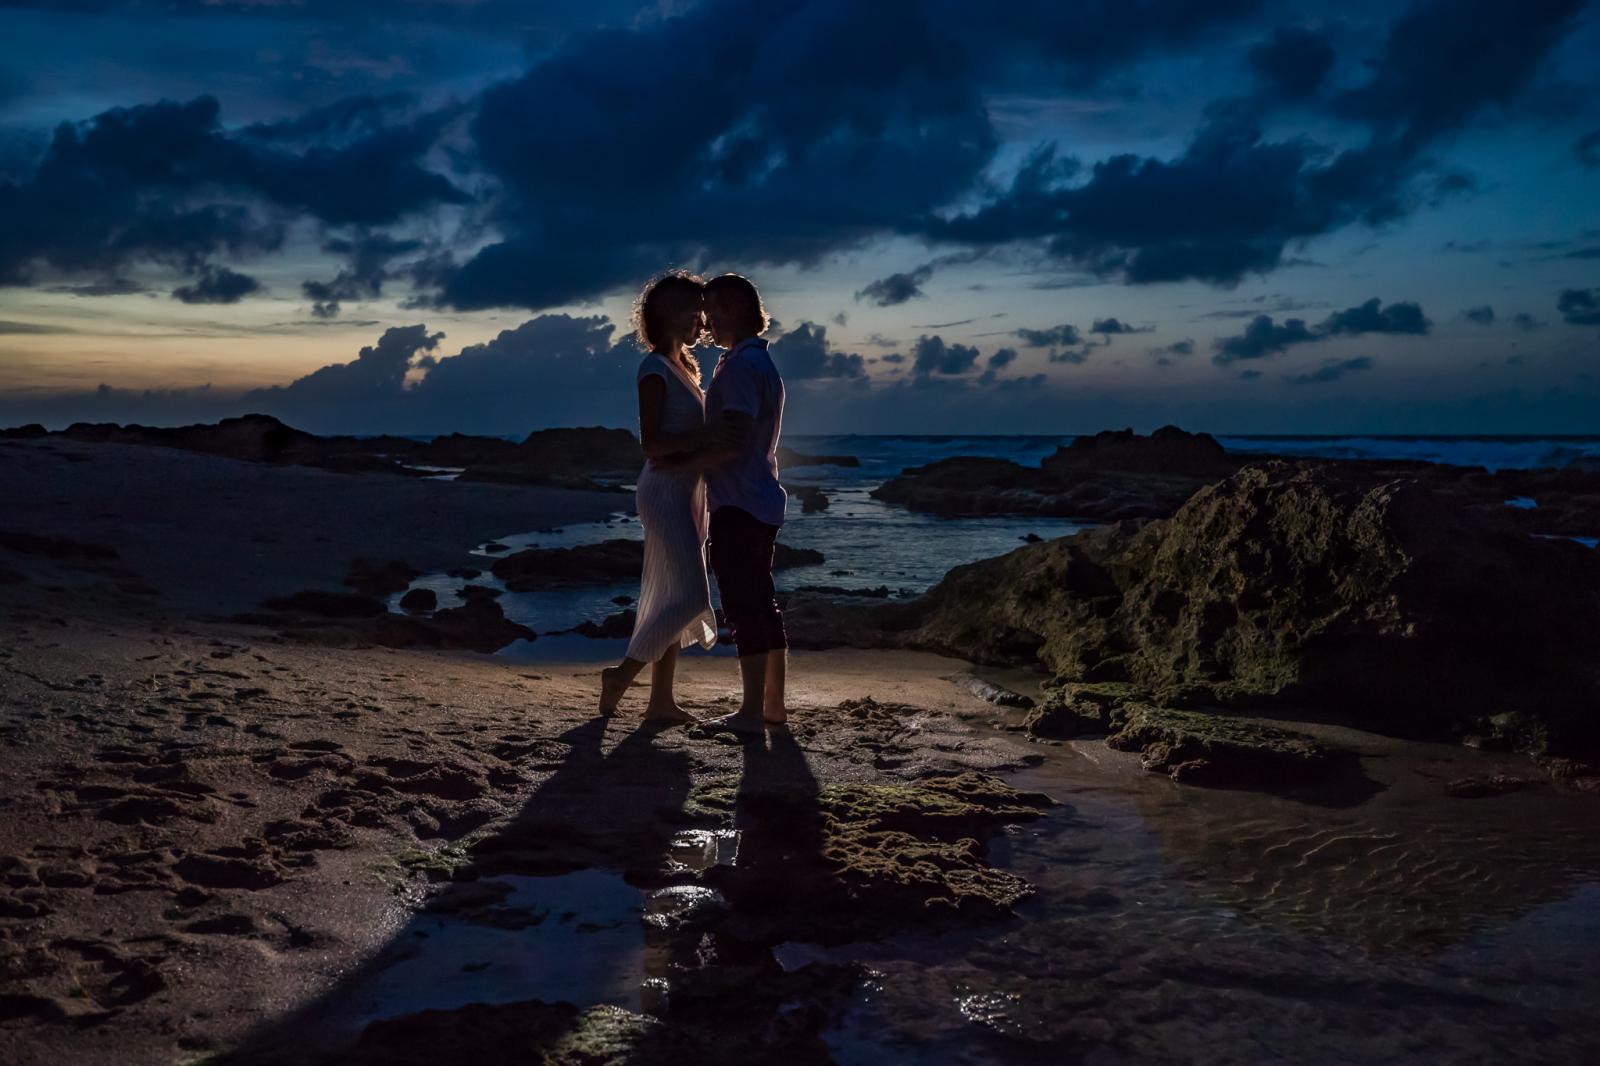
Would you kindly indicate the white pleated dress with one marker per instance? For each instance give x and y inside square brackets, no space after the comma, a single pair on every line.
[674,592]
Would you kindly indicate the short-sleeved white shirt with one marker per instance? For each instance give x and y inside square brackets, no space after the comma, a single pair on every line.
[747,381]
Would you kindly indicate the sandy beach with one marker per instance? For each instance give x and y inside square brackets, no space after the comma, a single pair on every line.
[207,826]
[222,844]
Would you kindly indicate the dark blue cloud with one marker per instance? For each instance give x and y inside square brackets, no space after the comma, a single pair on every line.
[1372,317]
[1232,201]
[217,285]
[166,183]
[1446,59]
[1331,370]
[1109,326]
[931,355]
[1054,336]
[803,353]
[1482,316]
[1579,307]
[1261,338]
[369,255]
[897,288]
[1264,337]
[1587,149]
[1294,61]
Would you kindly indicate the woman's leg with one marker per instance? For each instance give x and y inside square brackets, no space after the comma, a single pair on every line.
[614,682]
[662,707]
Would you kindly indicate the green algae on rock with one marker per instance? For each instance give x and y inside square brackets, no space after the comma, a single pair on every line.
[1307,585]
[850,861]
[1194,747]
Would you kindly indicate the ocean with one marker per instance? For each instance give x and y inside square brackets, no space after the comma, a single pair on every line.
[867,544]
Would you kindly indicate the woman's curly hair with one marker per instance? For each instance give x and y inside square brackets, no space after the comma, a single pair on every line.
[659,296]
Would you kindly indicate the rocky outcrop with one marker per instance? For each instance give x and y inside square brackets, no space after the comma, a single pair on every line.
[603,563]
[576,458]
[589,458]
[610,627]
[1107,477]
[812,499]
[788,457]
[1319,587]
[1169,450]
[343,619]
[858,861]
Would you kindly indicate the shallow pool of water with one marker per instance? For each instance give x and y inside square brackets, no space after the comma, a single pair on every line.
[1177,924]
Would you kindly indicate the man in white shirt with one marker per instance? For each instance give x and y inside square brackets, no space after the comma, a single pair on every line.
[746,499]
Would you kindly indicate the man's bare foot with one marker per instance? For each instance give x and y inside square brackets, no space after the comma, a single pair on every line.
[740,721]
[612,687]
[670,713]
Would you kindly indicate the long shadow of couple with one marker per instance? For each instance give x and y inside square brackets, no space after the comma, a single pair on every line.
[509,931]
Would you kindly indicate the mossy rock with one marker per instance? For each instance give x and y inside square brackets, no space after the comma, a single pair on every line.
[854,861]
[531,1031]
[1196,747]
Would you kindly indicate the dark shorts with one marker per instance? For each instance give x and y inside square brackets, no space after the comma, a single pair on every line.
[741,559]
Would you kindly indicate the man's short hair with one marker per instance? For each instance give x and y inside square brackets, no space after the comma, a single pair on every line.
[739,295]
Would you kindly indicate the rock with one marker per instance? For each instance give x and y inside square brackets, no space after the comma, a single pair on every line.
[586,564]
[788,457]
[419,600]
[63,549]
[531,1031]
[964,485]
[30,431]
[466,573]
[574,458]
[1030,538]
[1169,450]
[850,861]
[1477,786]
[1302,584]
[812,499]
[603,563]
[478,625]
[570,457]
[993,693]
[479,592]
[1075,710]
[611,627]
[1194,747]
[371,578]
[327,604]
[785,557]
[877,592]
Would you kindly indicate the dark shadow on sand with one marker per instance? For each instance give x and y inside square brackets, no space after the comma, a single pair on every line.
[615,810]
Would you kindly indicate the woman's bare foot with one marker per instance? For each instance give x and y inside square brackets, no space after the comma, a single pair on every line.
[740,721]
[775,715]
[612,687]
[669,713]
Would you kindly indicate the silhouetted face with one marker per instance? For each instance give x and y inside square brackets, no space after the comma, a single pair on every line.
[687,322]
[722,317]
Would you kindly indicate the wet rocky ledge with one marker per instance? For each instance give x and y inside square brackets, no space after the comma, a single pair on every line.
[1331,590]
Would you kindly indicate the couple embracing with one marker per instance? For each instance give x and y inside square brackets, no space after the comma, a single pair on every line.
[711,469]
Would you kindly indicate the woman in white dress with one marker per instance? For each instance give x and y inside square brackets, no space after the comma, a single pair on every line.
[674,608]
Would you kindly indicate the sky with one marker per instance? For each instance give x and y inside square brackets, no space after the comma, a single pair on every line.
[425,216]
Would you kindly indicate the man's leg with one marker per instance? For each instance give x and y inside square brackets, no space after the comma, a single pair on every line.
[735,547]
[772,705]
